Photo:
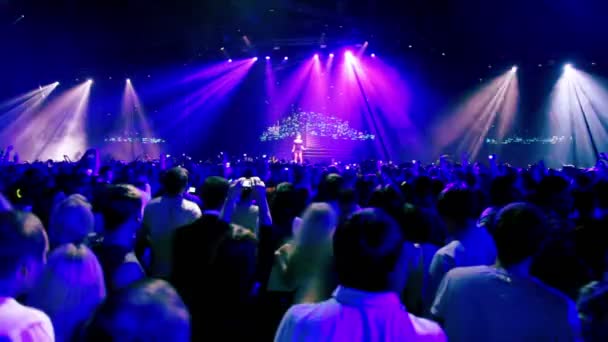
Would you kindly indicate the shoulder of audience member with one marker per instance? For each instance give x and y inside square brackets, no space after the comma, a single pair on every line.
[305,313]
[40,329]
[426,329]
[468,274]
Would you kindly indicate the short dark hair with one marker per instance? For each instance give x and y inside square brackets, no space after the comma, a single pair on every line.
[21,236]
[148,310]
[367,247]
[521,229]
[330,188]
[458,203]
[502,190]
[214,192]
[120,203]
[175,181]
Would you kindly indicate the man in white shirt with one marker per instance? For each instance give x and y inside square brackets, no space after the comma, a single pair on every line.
[163,215]
[471,245]
[371,271]
[23,248]
[504,302]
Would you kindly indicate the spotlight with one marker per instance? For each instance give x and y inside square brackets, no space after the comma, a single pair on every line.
[348,54]
[128,80]
[230,60]
[56,83]
[255,59]
[567,67]
[89,81]
[331,55]
[316,56]
[373,55]
[514,68]
[267,58]
[285,58]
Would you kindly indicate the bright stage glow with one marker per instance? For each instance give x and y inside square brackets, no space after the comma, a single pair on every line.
[514,68]
[132,120]
[348,54]
[285,58]
[89,81]
[255,59]
[494,105]
[56,129]
[373,55]
[267,58]
[230,60]
[331,55]
[577,115]
[316,56]
[128,80]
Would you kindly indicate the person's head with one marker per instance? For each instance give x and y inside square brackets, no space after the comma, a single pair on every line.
[149,310]
[23,248]
[69,289]
[71,221]
[417,226]
[458,207]
[175,181]
[503,191]
[422,191]
[318,224]
[368,252]
[214,192]
[284,205]
[121,206]
[519,233]
[330,187]
[554,194]
[298,136]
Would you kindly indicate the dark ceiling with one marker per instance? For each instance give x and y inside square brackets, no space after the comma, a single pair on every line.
[75,36]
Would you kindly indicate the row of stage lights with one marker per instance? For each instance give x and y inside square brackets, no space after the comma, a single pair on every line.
[567,67]
[347,54]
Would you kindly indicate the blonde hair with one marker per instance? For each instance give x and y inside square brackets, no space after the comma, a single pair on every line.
[318,225]
[310,264]
[69,289]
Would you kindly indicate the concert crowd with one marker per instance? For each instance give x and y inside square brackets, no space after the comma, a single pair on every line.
[260,249]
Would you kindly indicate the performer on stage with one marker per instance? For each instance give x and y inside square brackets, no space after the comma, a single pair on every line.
[297,149]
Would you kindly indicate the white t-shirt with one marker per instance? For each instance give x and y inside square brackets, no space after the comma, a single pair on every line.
[162,216]
[353,315]
[21,323]
[485,303]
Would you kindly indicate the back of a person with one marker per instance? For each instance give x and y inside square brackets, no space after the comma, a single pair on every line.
[371,269]
[489,304]
[162,217]
[23,249]
[346,317]
[22,323]
[217,289]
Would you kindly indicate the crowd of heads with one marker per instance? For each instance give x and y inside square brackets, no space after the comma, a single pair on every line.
[319,226]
